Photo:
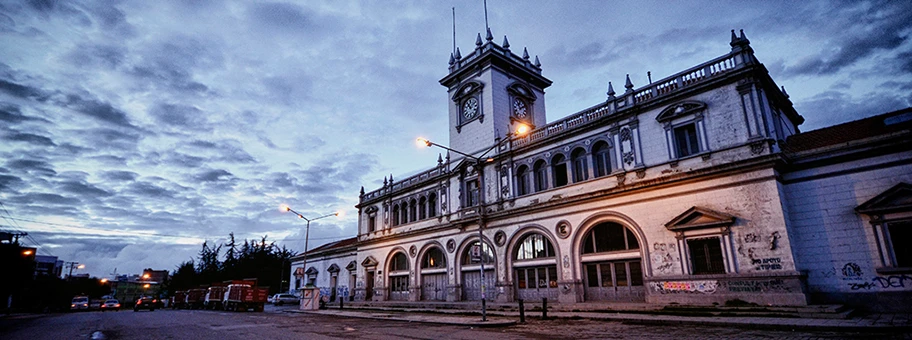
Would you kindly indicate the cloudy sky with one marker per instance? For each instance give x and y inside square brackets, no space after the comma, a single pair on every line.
[131,131]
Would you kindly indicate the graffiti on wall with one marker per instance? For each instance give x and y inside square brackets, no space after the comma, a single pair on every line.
[884,282]
[662,257]
[686,287]
[751,286]
[851,271]
[770,263]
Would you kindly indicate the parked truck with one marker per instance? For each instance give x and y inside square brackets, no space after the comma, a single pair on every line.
[179,300]
[195,298]
[215,296]
[244,295]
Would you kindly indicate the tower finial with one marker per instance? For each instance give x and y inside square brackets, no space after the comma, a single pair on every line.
[610,91]
[458,55]
[506,43]
[525,54]
[628,85]
[478,41]
[537,63]
[784,93]
[439,159]
[452,59]
[734,38]
[490,36]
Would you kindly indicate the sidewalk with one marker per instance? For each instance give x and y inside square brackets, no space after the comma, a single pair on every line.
[472,318]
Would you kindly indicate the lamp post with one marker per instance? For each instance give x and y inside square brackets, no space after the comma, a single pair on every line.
[480,162]
[72,265]
[306,233]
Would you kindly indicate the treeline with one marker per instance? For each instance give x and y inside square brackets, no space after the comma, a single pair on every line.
[262,260]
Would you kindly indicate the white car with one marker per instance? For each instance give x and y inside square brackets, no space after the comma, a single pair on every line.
[281,299]
[80,303]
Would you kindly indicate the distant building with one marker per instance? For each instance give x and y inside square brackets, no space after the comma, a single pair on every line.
[154,275]
[48,266]
[694,189]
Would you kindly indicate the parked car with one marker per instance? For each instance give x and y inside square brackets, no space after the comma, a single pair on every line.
[281,299]
[110,304]
[95,304]
[80,303]
[145,302]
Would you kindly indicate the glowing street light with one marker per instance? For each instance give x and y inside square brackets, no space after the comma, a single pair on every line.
[104,280]
[27,252]
[286,208]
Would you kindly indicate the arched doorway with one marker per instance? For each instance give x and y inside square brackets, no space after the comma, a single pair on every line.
[535,268]
[398,277]
[433,275]
[470,264]
[612,264]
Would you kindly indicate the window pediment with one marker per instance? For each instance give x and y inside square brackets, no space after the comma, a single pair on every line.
[522,91]
[897,198]
[333,268]
[699,218]
[311,271]
[369,262]
[467,89]
[680,109]
[352,266]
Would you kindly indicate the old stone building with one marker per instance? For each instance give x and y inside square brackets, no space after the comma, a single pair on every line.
[693,189]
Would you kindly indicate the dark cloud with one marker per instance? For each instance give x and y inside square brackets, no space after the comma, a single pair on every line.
[98,55]
[110,160]
[280,16]
[117,175]
[104,138]
[41,168]
[29,138]
[9,183]
[182,116]
[82,188]
[214,176]
[868,31]
[202,144]
[12,113]
[184,160]
[21,91]
[149,190]
[41,199]
[97,109]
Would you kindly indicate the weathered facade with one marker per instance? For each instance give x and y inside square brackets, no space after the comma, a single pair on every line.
[694,189]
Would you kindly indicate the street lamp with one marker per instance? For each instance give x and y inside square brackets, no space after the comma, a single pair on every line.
[73,265]
[480,161]
[306,232]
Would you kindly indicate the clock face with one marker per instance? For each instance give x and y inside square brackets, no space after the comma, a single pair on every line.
[519,108]
[470,108]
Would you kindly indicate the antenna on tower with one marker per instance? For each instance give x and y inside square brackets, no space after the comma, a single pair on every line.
[454,30]
[486,15]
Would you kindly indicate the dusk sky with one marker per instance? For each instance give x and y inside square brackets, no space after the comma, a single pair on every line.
[132,131]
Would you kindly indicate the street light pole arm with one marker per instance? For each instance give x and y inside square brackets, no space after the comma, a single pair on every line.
[430,143]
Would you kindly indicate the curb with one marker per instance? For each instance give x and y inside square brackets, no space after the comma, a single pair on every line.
[432,320]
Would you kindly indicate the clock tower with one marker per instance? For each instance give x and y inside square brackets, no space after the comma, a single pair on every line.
[490,91]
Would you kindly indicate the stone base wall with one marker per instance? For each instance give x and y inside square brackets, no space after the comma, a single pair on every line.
[766,290]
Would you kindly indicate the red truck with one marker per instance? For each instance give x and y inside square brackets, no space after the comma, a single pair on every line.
[195,298]
[215,296]
[243,295]
[179,300]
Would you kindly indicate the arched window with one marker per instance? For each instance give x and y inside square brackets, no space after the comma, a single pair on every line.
[473,254]
[523,177]
[432,205]
[422,208]
[540,172]
[395,215]
[580,166]
[609,236]
[413,210]
[434,258]
[399,263]
[399,277]
[534,246]
[559,169]
[601,159]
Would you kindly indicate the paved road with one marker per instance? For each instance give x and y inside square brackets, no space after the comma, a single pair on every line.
[275,324]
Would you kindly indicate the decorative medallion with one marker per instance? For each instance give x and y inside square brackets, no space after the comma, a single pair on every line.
[566,261]
[500,238]
[587,142]
[451,245]
[562,229]
[629,157]
[566,148]
[413,250]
